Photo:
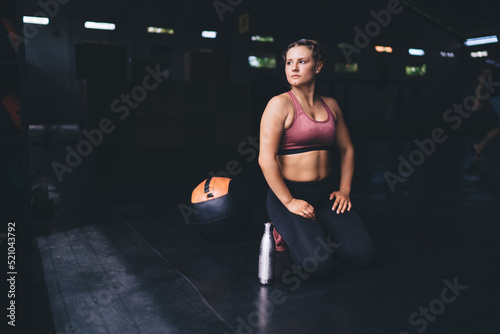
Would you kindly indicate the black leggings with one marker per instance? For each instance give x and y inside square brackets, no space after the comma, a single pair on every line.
[312,243]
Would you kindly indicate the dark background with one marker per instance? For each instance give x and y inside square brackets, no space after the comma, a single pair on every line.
[205,114]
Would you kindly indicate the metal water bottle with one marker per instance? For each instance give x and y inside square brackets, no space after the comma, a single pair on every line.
[267,256]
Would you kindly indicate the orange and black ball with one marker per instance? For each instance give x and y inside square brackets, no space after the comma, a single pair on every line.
[220,208]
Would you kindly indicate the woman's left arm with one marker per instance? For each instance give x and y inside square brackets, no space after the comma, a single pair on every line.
[346,149]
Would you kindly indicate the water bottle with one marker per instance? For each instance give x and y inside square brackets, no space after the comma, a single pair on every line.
[267,256]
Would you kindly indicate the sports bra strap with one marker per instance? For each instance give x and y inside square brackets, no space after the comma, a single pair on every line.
[297,109]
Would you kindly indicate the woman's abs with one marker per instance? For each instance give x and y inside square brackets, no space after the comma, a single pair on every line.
[306,166]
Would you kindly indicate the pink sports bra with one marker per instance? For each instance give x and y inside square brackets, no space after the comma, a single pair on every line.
[306,134]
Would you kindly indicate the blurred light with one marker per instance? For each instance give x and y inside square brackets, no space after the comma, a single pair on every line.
[70,127]
[262,62]
[447,54]
[99,25]
[345,45]
[345,67]
[252,61]
[258,38]
[380,48]
[481,40]
[416,52]
[157,30]
[36,20]
[208,34]
[416,71]
[479,54]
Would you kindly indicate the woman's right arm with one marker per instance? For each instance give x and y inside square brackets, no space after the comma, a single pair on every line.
[271,129]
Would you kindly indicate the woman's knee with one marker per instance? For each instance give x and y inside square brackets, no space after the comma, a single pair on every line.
[355,244]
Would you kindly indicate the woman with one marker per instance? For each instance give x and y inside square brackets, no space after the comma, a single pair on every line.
[297,129]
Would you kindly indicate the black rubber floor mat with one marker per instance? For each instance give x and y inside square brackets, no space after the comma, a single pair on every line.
[107,279]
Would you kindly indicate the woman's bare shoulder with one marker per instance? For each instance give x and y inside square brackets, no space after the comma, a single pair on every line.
[281,100]
[279,105]
[330,101]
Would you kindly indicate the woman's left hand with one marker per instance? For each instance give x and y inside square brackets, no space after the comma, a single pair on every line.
[342,201]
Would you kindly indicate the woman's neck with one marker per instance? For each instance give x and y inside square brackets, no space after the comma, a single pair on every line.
[305,94]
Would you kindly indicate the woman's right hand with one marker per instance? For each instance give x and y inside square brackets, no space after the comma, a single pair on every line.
[301,208]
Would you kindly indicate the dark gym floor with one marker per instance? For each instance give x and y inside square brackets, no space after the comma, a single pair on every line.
[119,257]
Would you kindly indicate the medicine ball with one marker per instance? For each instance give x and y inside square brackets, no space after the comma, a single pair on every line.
[220,208]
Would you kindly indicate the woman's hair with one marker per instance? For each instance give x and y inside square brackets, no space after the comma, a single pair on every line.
[311,45]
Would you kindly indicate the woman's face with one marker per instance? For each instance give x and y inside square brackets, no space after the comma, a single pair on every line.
[300,67]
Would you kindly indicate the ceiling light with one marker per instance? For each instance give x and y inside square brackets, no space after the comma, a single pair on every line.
[208,34]
[36,20]
[481,40]
[99,25]
[416,52]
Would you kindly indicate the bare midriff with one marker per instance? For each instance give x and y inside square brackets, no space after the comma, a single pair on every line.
[305,166]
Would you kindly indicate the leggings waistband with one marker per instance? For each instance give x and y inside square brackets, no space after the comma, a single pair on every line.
[314,192]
